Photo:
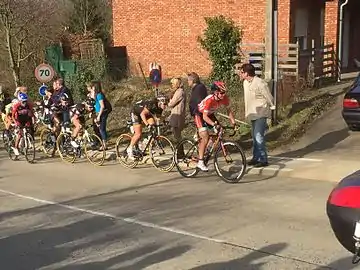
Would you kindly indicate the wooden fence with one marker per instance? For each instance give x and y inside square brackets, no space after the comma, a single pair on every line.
[288,57]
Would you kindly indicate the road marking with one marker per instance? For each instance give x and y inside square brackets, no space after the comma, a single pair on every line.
[297,159]
[158,227]
[271,169]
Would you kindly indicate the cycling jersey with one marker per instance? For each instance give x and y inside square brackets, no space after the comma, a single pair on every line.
[210,104]
[22,113]
[151,105]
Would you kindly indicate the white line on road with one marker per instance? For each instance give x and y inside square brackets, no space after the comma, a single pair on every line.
[154,226]
[297,159]
[271,169]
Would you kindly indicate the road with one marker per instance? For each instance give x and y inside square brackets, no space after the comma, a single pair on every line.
[60,216]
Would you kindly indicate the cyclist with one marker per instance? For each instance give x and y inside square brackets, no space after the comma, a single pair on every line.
[145,112]
[77,116]
[23,116]
[7,116]
[205,118]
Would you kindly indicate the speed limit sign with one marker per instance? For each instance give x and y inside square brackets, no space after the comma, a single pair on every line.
[44,73]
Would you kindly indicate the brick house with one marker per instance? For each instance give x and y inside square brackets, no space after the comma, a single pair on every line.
[166,31]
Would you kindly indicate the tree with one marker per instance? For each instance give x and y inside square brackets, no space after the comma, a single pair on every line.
[90,17]
[26,25]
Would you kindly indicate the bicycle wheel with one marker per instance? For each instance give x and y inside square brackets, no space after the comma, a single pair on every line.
[121,145]
[230,152]
[92,145]
[10,150]
[162,154]
[6,139]
[29,148]
[65,149]
[186,158]
[48,146]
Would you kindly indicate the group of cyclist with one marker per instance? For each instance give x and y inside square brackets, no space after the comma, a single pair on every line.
[59,109]
[202,108]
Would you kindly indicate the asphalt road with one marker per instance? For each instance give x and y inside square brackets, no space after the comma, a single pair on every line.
[60,216]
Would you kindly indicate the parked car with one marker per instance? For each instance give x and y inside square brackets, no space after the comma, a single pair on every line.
[351,105]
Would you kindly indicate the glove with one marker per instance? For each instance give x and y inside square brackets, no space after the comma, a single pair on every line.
[217,126]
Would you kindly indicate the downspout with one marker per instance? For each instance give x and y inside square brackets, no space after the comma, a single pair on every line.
[341,38]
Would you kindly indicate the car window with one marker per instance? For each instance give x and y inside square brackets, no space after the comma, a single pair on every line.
[356,85]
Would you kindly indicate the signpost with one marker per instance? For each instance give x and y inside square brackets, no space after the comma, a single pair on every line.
[44,73]
[42,90]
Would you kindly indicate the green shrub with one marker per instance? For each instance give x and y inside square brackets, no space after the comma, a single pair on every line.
[87,70]
[221,40]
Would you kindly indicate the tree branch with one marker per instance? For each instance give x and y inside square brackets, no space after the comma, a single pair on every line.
[26,57]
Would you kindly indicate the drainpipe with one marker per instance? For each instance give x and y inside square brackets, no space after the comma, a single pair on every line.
[341,38]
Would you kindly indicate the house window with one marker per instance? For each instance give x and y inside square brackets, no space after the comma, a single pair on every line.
[301,27]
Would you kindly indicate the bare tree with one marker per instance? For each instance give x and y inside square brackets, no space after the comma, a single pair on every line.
[25,25]
[90,17]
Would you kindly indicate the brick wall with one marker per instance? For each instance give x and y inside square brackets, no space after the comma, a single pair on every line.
[331,19]
[166,31]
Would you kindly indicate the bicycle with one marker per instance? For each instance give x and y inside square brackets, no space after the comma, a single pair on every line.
[217,147]
[26,143]
[154,143]
[88,143]
[47,136]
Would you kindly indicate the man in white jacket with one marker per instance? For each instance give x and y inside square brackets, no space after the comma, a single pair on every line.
[258,105]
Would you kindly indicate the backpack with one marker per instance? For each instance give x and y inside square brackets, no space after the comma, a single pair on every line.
[108,107]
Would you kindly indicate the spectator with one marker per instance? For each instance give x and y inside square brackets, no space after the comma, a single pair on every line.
[258,105]
[102,109]
[59,90]
[198,92]
[177,105]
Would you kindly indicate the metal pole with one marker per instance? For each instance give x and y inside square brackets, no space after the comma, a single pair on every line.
[275,59]
[236,120]
[341,38]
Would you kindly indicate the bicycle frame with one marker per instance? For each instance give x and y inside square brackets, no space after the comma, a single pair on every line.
[218,142]
[154,134]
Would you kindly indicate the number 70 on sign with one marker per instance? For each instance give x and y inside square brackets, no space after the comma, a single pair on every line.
[44,73]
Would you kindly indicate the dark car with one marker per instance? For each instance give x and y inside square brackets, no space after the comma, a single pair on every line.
[351,106]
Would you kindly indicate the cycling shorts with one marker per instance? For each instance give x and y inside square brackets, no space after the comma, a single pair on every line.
[136,118]
[200,123]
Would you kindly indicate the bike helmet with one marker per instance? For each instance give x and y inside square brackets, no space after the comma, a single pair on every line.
[80,107]
[64,97]
[162,98]
[22,97]
[218,86]
[90,102]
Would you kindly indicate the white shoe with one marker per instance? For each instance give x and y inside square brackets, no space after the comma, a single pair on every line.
[74,144]
[16,151]
[202,166]
[130,154]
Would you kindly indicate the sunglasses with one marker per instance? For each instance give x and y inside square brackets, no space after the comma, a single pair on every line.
[221,93]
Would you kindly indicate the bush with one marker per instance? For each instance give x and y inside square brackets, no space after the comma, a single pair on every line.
[87,70]
[221,40]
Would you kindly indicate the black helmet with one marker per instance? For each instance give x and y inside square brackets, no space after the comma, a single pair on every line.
[90,102]
[64,97]
[80,107]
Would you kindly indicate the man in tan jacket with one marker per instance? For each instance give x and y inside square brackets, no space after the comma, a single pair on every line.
[258,105]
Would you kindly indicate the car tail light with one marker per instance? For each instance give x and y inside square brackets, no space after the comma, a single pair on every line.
[350,103]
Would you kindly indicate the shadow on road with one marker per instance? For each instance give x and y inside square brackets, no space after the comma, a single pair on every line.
[43,247]
[35,249]
[341,264]
[246,262]
[325,142]
[144,256]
